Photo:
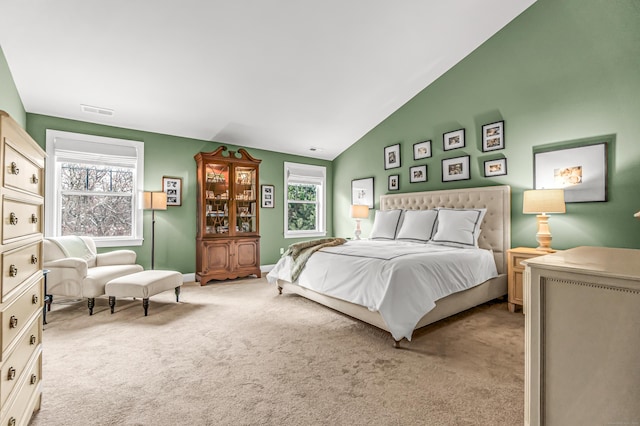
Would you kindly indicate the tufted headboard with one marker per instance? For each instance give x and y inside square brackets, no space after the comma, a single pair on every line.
[496,225]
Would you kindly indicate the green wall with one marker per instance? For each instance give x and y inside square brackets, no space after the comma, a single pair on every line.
[173,156]
[10,101]
[564,71]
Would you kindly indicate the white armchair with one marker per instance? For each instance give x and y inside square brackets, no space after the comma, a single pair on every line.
[77,270]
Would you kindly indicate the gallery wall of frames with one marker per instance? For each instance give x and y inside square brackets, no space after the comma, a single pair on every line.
[453,168]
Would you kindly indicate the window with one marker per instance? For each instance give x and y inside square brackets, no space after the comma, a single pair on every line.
[305,210]
[93,188]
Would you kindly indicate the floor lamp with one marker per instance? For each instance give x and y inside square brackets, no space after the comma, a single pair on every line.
[154,201]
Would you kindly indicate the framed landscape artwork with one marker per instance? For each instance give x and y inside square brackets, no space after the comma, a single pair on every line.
[455,169]
[495,167]
[580,171]
[453,140]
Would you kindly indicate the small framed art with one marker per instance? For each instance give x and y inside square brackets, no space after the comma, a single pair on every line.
[418,173]
[455,169]
[495,167]
[394,183]
[362,192]
[421,150]
[392,156]
[453,140]
[268,196]
[173,187]
[493,136]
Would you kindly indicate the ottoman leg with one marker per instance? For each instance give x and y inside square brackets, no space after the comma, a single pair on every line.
[178,294]
[145,305]
[112,303]
[91,302]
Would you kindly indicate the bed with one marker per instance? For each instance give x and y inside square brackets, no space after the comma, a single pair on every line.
[323,281]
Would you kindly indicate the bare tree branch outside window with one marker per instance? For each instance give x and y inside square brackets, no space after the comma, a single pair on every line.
[96,200]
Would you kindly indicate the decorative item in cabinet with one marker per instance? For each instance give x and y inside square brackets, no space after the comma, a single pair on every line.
[228,234]
[22,292]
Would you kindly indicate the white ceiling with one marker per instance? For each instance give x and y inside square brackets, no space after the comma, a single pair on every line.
[280,75]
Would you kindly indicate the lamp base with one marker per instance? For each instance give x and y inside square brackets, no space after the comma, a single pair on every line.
[543,236]
[358,231]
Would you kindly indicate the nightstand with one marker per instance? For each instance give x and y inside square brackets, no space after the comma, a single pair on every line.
[515,271]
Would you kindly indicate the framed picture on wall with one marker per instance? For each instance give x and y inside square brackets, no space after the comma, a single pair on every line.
[392,157]
[421,150]
[173,187]
[495,167]
[362,192]
[394,183]
[493,136]
[268,196]
[453,140]
[580,171]
[418,174]
[455,169]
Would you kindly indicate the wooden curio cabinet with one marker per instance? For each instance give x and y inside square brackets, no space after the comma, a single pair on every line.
[228,234]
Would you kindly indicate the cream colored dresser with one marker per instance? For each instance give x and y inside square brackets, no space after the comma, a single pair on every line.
[582,337]
[22,190]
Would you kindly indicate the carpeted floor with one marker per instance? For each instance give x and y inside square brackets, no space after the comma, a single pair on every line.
[237,353]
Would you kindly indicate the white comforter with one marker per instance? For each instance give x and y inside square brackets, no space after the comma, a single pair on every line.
[400,280]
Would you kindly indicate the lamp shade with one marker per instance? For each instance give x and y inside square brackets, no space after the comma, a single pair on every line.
[538,201]
[155,200]
[360,211]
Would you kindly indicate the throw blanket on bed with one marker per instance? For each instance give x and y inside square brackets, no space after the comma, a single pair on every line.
[301,252]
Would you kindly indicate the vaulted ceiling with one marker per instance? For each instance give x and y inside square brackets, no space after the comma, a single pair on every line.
[296,76]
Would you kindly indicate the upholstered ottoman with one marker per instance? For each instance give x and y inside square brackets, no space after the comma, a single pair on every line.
[143,285]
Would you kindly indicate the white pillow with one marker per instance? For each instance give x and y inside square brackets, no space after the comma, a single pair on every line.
[458,227]
[385,225]
[417,225]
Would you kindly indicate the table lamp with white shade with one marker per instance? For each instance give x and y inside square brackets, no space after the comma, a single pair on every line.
[541,202]
[359,211]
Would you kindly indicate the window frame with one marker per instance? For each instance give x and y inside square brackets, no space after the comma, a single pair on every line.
[53,193]
[312,174]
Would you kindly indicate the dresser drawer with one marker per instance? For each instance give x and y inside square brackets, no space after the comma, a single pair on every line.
[18,265]
[21,173]
[15,365]
[27,397]
[18,313]
[20,218]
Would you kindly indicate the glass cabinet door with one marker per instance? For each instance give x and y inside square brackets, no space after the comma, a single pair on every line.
[245,199]
[217,201]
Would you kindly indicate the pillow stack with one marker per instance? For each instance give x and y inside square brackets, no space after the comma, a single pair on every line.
[441,226]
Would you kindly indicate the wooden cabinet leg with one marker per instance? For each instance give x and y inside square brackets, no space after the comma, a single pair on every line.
[512,307]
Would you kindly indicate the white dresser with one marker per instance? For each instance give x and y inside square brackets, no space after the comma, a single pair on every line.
[22,190]
[582,337]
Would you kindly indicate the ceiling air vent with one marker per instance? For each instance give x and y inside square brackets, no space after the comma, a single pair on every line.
[96,110]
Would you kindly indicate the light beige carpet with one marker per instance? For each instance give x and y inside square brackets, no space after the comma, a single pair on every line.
[237,353]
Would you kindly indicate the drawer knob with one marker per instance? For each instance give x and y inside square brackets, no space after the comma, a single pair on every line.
[13,271]
[32,340]
[12,422]
[11,374]
[13,321]
[34,218]
[14,168]
[13,219]
[34,259]
[34,299]
[34,379]
[34,179]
